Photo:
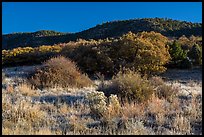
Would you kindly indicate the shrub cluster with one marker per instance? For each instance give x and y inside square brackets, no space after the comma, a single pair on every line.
[92,59]
[195,54]
[145,51]
[185,53]
[29,55]
[130,86]
[59,71]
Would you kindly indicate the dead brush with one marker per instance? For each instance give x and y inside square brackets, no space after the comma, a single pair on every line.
[163,90]
[61,72]
[130,86]
[131,110]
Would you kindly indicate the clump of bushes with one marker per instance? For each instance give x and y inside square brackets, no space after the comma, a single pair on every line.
[163,91]
[184,58]
[178,56]
[130,86]
[195,54]
[59,71]
[176,52]
[92,59]
[145,52]
[29,55]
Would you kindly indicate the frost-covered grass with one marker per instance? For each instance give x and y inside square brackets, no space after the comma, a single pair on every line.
[60,111]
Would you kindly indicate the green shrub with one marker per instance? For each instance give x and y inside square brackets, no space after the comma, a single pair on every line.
[176,52]
[130,86]
[59,71]
[195,54]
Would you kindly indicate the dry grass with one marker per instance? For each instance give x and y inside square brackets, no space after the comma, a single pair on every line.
[21,115]
[26,118]
[155,104]
[163,90]
[10,89]
[133,110]
[181,125]
[26,90]
[64,109]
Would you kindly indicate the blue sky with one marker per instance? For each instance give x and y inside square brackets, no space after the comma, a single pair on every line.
[78,16]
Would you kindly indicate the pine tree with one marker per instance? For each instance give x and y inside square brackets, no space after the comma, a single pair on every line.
[176,52]
[195,54]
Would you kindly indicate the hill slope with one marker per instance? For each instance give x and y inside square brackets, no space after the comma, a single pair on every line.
[167,27]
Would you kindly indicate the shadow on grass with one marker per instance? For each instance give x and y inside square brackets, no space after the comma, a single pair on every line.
[183,76]
[61,99]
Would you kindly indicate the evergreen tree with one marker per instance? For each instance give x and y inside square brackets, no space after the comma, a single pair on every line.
[176,52]
[195,54]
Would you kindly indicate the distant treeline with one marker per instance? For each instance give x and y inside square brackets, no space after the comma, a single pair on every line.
[167,27]
[147,52]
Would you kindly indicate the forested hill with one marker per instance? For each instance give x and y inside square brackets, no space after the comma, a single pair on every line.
[167,27]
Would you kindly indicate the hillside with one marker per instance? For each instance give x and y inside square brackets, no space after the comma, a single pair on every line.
[167,27]
[34,39]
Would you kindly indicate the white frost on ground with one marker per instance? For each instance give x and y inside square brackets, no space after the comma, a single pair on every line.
[186,89]
[16,75]
[191,81]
